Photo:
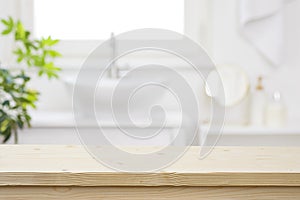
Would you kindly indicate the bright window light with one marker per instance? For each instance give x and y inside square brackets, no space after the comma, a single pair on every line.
[96,19]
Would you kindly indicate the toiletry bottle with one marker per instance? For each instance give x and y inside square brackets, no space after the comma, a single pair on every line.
[258,104]
[276,112]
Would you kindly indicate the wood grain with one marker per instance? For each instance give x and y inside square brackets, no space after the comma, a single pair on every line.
[157,193]
[29,165]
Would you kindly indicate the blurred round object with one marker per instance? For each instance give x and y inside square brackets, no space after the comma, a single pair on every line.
[235,83]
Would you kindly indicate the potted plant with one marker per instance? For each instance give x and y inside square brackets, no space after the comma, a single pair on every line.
[15,95]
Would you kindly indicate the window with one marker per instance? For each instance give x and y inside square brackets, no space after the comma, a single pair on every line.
[96,19]
[82,24]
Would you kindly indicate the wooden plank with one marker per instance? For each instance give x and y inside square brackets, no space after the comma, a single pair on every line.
[149,179]
[42,165]
[157,193]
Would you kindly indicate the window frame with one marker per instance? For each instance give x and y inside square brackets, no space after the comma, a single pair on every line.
[75,51]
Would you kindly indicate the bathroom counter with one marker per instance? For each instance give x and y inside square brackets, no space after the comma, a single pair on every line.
[69,172]
[256,130]
[67,120]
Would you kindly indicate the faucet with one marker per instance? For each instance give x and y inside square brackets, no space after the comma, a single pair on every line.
[114,70]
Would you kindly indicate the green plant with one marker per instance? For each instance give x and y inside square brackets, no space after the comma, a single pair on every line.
[15,96]
[33,52]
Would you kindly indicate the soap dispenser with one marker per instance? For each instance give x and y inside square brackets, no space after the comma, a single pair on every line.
[276,112]
[258,104]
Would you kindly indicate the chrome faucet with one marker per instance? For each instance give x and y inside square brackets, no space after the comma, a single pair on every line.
[114,71]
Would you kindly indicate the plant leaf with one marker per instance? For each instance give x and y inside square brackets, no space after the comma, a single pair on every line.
[53,53]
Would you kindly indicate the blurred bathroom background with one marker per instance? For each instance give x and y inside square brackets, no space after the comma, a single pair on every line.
[254,43]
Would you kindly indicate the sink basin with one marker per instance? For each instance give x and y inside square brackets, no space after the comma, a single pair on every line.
[131,95]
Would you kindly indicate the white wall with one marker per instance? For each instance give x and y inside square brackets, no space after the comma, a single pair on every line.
[230,47]
[7,8]
[18,9]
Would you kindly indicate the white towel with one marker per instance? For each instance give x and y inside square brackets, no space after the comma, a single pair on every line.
[262,24]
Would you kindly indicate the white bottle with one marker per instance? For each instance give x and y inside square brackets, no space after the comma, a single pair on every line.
[258,105]
[276,112]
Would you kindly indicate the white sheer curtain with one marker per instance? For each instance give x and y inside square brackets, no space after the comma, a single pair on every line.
[18,9]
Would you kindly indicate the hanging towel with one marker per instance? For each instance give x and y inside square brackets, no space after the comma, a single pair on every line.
[262,24]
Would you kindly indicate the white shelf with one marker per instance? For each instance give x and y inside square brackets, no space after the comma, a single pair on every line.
[253,130]
[67,120]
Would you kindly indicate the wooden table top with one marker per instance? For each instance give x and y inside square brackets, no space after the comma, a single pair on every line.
[53,165]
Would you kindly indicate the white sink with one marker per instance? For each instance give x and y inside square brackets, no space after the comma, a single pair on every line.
[114,98]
